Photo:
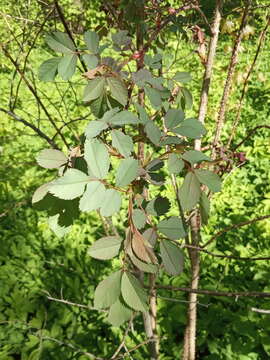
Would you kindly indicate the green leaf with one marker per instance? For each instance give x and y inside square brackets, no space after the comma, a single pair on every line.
[105,248]
[118,90]
[92,199]
[149,268]
[121,38]
[141,77]
[153,132]
[182,77]
[169,140]
[108,291]
[91,39]
[155,165]
[111,203]
[67,66]
[173,118]
[41,192]
[155,178]
[172,257]
[123,143]
[119,313]
[191,128]
[59,231]
[99,106]
[154,96]
[127,172]
[94,89]
[190,191]
[124,118]
[195,156]
[97,158]
[60,42]
[94,128]
[210,179]
[48,69]
[51,158]
[187,97]
[133,293]
[139,218]
[144,118]
[158,206]
[69,186]
[172,228]
[90,60]
[150,236]
[175,164]
[204,208]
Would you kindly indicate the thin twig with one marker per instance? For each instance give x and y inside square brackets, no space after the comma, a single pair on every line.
[71,346]
[228,83]
[251,132]
[33,127]
[262,311]
[235,226]
[226,256]
[240,104]
[208,68]
[217,293]
[122,344]
[67,302]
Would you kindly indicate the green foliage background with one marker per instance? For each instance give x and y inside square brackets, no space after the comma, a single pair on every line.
[35,263]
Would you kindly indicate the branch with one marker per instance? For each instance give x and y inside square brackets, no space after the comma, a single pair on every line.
[61,343]
[71,303]
[226,256]
[63,20]
[33,91]
[227,87]
[208,69]
[251,133]
[122,344]
[239,107]
[33,127]
[235,226]
[217,293]
[262,311]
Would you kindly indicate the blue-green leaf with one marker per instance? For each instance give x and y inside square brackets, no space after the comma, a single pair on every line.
[97,158]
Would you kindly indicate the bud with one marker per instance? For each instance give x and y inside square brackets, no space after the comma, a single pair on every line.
[172,11]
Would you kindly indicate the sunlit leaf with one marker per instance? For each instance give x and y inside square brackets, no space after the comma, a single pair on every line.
[123,143]
[139,218]
[173,118]
[111,203]
[182,77]
[126,172]
[90,60]
[67,66]
[108,291]
[92,198]
[94,128]
[91,39]
[118,90]
[153,132]
[97,158]
[133,293]
[70,185]
[172,228]
[124,118]
[105,248]
[60,42]
[48,69]
[94,89]
[51,158]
